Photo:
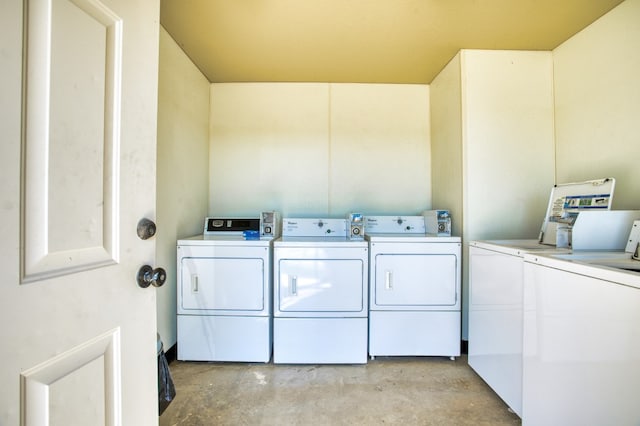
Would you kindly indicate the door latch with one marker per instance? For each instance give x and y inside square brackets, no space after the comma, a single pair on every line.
[148,276]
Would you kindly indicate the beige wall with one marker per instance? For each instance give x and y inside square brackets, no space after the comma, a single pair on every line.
[326,149]
[508,158]
[182,167]
[597,104]
[319,149]
[492,145]
[446,142]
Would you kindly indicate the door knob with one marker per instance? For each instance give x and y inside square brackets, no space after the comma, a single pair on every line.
[146,229]
[148,276]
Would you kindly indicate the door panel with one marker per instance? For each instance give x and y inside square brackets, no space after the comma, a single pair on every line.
[78,118]
[415,280]
[71,137]
[321,285]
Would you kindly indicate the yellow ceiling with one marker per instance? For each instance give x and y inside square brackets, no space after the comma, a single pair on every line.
[362,41]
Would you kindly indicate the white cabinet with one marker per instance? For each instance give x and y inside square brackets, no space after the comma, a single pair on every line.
[492,145]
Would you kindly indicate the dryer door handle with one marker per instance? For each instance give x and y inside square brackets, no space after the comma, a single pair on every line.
[388,280]
[293,285]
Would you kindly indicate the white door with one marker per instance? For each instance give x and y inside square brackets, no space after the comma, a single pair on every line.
[78,104]
[315,286]
[416,280]
[219,281]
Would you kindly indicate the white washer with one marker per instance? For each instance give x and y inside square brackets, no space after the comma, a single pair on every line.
[320,294]
[496,282]
[581,340]
[496,313]
[224,297]
[415,289]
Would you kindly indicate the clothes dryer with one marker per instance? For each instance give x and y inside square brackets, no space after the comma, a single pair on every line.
[320,294]
[224,293]
[415,289]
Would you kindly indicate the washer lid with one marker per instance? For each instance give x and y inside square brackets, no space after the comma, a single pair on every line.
[569,199]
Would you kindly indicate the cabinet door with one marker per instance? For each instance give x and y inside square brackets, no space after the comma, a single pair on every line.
[218,284]
[415,280]
[321,285]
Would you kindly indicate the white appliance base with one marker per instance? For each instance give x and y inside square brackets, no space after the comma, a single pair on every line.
[495,370]
[224,338]
[414,333]
[320,341]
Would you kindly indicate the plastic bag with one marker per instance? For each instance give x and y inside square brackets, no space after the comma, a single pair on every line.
[166,389]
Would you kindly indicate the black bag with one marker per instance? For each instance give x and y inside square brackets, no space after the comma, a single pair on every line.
[166,389]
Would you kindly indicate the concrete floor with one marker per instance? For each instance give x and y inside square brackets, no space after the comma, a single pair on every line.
[405,390]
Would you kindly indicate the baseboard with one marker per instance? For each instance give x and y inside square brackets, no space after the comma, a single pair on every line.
[172,353]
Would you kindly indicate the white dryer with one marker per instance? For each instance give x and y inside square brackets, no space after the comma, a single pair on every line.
[415,289]
[224,293]
[320,294]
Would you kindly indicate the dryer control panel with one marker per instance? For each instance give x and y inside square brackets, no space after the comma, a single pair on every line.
[303,227]
[221,226]
[395,225]
[269,224]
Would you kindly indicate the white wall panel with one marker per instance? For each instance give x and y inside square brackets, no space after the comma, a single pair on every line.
[597,103]
[493,156]
[380,151]
[508,134]
[183,167]
[446,142]
[269,148]
[319,149]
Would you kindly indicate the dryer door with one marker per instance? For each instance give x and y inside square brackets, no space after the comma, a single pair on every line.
[415,280]
[317,286]
[219,284]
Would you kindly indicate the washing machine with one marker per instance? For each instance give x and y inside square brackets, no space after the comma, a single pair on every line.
[580,343]
[224,286]
[496,285]
[320,293]
[496,280]
[415,289]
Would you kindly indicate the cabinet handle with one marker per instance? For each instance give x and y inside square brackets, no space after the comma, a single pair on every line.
[388,282]
[294,285]
[194,283]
